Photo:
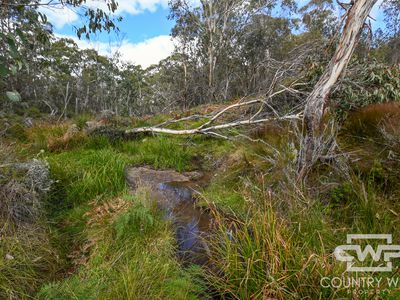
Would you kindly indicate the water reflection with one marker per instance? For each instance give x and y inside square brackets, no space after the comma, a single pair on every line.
[190,222]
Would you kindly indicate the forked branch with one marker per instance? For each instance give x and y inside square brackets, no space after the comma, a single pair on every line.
[210,128]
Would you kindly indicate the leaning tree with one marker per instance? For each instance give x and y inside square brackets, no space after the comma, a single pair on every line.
[318,98]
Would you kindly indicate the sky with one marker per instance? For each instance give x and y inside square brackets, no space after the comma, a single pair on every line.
[143,38]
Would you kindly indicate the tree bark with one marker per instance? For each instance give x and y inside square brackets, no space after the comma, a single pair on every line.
[317,100]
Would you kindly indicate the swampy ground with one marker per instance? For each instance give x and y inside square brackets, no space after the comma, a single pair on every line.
[270,238]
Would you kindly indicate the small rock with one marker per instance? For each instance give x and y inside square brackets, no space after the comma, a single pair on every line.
[193,175]
[9,257]
[91,126]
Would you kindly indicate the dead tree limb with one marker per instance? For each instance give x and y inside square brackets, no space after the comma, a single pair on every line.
[316,101]
[210,130]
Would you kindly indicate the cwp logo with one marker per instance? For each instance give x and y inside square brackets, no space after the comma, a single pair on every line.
[355,256]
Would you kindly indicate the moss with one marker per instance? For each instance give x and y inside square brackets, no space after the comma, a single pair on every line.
[342,194]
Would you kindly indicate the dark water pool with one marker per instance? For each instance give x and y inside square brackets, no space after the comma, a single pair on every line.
[191,223]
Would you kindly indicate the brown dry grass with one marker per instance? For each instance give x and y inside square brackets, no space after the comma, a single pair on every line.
[369,119]
[100,214]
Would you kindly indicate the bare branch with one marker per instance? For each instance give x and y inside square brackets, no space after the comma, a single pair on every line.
[211,130]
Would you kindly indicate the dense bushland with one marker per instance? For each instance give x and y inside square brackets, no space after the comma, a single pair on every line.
[70,226]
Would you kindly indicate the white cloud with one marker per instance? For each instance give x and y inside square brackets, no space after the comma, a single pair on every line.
[146,53]
[59,16]
[139,6]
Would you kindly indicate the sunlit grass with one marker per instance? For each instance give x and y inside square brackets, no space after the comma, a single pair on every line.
[85,174]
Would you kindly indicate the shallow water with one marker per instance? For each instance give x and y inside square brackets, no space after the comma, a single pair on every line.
[191,223]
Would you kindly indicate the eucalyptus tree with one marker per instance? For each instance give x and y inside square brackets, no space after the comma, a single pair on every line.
[24,28]
[391,10]
[316,102]
[221,44]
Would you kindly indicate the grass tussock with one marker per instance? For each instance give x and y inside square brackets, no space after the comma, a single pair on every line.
[27,256]
[131,257]
[279,242]
[84,174]
[27,260]
[161,152]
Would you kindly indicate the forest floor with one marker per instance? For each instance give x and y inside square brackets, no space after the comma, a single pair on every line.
[271,238]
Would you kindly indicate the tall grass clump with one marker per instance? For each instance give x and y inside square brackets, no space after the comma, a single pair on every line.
[131,256]
[84,174]
[160,152]
[265,256]
[27,260]
[40,134]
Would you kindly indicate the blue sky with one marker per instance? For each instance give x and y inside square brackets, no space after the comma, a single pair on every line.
[144,32]
[135,28]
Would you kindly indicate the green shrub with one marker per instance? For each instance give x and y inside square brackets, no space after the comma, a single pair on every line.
[17,131]
[368,83]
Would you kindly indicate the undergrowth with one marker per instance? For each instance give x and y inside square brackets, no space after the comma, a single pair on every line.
[279,241]
[132,256]
[273,239]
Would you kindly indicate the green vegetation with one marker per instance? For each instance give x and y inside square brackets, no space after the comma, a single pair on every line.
[160,152]
[281,237]
[131,257]
[276,197]
[87,173]
[27,260]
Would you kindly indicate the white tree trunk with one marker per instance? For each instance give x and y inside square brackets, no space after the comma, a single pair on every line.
[316,101]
